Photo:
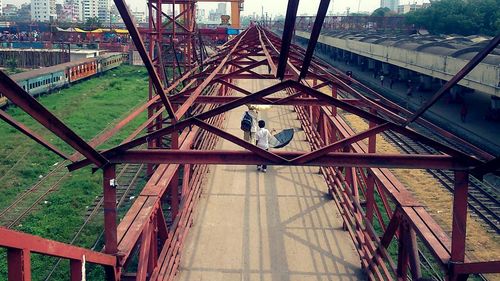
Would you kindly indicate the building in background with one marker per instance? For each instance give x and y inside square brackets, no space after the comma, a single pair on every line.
[89,9]
[200,14]
[72,11]
[221,9]
[116,18]
[10,12]
[406,8]
[24,13]
[103,11]
[43,10]
[391,4]
[1,8]
[140,17]
[214,16]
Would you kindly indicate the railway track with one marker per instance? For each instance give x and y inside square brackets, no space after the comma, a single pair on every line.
[127,177]
[482,200]
[31,198]
[483,197]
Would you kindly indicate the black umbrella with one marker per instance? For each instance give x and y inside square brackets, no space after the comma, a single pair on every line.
[282,138]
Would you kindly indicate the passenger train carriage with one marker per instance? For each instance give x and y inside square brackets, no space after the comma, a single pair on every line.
[47,79]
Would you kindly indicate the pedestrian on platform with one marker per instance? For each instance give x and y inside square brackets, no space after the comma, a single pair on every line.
[409,92]
[392,81]
[262,140]
[463,112]
[249,123]
[382,79]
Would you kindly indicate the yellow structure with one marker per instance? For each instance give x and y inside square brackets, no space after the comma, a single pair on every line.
[236,8]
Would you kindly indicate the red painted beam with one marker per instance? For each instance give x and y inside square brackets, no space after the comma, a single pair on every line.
[187,122]
[475,267]
[224,157]
[459,76]
[31,134]
[136,37]
[270,101]
[30,105]
[35,244]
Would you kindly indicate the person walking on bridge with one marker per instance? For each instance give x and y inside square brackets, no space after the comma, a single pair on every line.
[262,140]
[249,123]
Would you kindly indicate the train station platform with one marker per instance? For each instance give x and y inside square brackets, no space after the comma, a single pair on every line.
[278,225]
[476,129]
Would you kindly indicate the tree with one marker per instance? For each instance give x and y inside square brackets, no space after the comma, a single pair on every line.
[11,64]
[464,17]
[93,23]
[381,12]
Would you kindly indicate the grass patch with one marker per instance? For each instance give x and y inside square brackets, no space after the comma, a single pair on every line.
[88,108]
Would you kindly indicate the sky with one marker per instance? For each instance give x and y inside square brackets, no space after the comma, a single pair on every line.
[273,7]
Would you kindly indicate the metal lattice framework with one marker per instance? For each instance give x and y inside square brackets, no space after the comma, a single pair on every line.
[354,172]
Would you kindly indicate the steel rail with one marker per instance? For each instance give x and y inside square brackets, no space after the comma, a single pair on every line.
[98,207]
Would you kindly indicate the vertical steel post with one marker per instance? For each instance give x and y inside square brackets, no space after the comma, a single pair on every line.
[402,251]
[110,217]
[459,230]
[150,89]
[235,14]
[413,255]
[18,265]
[75,269]
[335,95]
[174,183]
[370,181]
[153,250]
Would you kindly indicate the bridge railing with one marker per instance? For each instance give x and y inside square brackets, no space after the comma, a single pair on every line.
[20,246]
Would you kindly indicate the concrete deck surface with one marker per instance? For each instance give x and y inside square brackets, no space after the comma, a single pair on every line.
[274,226]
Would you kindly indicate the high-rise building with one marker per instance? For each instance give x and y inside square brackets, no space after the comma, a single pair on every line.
[90,9]
[72,11]
[391,4]
[9,12]
[43,10]
[103,11]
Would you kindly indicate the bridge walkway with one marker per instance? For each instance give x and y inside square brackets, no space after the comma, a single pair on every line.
[278,225]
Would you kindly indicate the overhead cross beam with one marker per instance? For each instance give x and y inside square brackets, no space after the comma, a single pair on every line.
[136,37]
[459,76]
[31,134]
[226,157]
[313,39]
[291,15]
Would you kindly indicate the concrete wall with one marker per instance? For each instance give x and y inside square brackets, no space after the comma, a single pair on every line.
[483,78]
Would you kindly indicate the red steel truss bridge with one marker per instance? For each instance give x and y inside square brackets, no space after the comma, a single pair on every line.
[191,112]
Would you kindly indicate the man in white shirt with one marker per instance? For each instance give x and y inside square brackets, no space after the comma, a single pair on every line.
[262,138]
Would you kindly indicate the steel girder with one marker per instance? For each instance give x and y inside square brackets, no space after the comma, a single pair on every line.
[352,187]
